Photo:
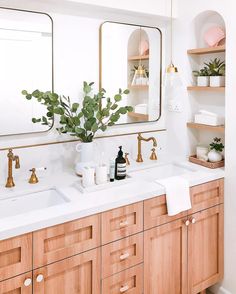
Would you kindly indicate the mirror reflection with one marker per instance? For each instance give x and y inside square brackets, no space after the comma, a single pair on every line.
[130,57]
[26,63]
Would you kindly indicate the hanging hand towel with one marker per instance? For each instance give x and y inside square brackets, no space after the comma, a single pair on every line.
[177,194]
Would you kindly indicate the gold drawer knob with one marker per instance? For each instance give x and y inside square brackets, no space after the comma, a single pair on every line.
[193,220]
[124,256]
[123,289]
[187,222]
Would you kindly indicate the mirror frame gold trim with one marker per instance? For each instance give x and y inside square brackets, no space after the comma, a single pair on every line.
[100,66]
[52,67]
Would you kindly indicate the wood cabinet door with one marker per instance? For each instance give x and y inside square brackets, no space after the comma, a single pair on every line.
[15,256]
[205,249]
[129,281]
[207,195]
[65,240]
[165,259]
[155,212]
[79,274]
[122,254]
[19,285]
[122,222]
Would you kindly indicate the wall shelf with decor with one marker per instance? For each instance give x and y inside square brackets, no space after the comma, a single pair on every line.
[192,125]
[209,50]
[209,89]
[138,57]
[138,116]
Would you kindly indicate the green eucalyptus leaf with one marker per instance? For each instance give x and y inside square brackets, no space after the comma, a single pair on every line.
[118,97]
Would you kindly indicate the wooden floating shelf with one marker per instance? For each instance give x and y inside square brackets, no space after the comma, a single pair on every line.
[193,125]
[209,89]
[140,116]
[209,50]
[138,86]
[138,57]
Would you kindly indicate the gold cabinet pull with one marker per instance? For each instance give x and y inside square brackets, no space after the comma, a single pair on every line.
[124,224]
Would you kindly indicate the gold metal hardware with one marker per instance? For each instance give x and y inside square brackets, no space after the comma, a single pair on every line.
[193,220]
[187,222]
[127,159]
[140,139]
[11,157]
[153,155]
[33,178]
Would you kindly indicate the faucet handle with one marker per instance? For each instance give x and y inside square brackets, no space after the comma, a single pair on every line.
[127,159]
[33,178]
[17,160]
[153,154]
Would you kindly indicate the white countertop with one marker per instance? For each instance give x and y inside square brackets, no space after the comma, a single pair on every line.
[85,204]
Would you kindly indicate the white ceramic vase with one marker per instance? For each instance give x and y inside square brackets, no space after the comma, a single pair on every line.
[203,81]
[214,156]
[217,81]
[86,156]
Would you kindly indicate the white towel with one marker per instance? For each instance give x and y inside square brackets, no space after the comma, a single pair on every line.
[177,194]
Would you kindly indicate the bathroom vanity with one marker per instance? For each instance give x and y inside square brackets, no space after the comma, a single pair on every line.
[133,248]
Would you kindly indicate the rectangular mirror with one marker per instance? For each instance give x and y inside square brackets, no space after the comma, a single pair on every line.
[26,63]
[131,57]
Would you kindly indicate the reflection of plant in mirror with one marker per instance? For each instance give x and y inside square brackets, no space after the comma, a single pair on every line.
[217,145]
[143,67]
[203,72]
[80,121]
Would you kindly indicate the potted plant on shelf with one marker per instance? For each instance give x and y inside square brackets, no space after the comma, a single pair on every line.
[96,113]
[203,77]
[216,69]
[216,147]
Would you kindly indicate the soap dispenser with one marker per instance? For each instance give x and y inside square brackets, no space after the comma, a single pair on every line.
[120,170]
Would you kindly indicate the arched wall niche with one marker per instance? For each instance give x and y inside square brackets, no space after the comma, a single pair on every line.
[201,23]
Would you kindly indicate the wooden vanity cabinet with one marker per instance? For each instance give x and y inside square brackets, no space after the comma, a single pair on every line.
[79,274]
[15,256]
[20,284]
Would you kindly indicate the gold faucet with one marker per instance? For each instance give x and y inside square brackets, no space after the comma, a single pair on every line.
[140,139]
[11,157]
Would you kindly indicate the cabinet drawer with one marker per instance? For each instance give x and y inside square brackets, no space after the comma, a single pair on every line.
[207,195]
[122,254]
[122,222]
[129,281]
[21,284]
[15,256]
[79,274]
[58,242]
[155,212]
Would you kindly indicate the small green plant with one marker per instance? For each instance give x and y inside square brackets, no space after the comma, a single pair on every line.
[96,112]
[204,72]
[216,67]
[217,145]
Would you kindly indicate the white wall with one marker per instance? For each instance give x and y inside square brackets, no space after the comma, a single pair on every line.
[188,10]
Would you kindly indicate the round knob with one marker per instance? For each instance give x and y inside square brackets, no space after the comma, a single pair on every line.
[39,278]
[193,220]
[187,223]
[27,282]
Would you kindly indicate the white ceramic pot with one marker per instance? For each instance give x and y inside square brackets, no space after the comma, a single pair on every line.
[86,156]
[203,81]
[214,156]
[217,81]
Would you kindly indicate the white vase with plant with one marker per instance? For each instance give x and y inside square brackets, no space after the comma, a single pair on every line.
[203,77]
[216,147]
[96,113]
[216,68]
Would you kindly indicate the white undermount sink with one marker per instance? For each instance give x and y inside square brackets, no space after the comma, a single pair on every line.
[159,172]
[31,202]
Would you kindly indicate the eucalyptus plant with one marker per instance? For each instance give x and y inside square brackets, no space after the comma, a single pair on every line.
[95,113]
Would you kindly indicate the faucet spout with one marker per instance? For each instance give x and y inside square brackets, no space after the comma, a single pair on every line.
[11,157]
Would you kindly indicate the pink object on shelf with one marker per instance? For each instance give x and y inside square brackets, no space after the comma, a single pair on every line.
[144,47]
[214,36]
